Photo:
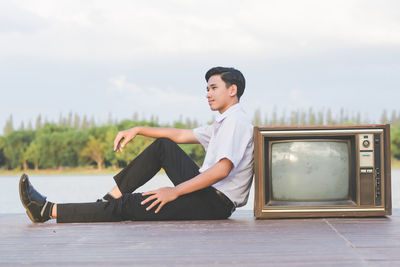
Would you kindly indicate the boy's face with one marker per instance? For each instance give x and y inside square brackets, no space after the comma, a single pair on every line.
[219,96]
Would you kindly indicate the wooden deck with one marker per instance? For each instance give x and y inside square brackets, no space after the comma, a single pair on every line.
[241,241]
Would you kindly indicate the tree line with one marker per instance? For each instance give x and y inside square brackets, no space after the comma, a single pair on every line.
[76,142]
[326,117]
[321,117]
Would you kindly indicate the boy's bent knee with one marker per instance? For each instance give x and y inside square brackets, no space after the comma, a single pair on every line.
[165,143]
[164,140]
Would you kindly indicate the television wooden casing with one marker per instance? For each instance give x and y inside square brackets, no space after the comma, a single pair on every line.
[263,211]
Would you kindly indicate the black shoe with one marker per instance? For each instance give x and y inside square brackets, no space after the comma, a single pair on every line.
[33,201]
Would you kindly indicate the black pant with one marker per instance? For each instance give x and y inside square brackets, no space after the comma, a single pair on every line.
[205,204]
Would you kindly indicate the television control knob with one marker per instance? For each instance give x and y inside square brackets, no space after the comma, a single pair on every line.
[366,143]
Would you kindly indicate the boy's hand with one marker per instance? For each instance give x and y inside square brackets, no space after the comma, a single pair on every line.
[160,196]
[123,138]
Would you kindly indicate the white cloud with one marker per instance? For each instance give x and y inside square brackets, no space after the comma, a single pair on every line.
[15,20]
[286,48]
[137,30]
[120,85]
[150,99]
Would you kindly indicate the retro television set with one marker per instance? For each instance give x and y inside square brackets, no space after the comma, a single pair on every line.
[322,171]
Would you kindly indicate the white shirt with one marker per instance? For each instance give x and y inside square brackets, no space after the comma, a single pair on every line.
[231,137]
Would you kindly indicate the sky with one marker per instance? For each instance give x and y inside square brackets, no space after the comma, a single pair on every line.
[116,58]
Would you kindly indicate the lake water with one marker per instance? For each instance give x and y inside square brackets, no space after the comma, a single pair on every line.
[88,188]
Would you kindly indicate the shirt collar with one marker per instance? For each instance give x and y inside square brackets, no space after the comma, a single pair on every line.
[229,111]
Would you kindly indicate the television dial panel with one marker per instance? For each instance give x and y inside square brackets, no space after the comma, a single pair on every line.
[370,166]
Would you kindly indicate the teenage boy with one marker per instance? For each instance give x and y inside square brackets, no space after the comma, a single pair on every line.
[211,192]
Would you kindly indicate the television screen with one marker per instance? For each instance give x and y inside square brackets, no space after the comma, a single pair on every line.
[310,170]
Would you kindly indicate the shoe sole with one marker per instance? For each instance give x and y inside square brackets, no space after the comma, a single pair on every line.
[23,204]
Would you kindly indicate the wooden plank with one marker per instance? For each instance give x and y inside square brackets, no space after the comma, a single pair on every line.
[241,240]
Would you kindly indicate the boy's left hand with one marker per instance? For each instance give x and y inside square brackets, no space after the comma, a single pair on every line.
[160,196]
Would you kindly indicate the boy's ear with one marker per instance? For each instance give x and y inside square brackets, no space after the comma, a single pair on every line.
[233,90]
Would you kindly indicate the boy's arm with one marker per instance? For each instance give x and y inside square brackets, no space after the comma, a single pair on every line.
[207,178]
[177,135]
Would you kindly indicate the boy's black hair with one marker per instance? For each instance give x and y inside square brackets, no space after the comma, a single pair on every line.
[229,76]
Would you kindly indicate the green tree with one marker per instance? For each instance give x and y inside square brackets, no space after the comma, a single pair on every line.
[9,126]
[22,126]
[85,124]
[111,156]
[38,124]
[15,145]
[44,144]
[72,143]
[92,122]
[131,151]
[294,118]
[188,123]
[346,118]
[135,116]
[2,157]
[320,118]
[395,140]
[358,118]
[61,120]
[110,119]
[30,127]
[266,121]
[77,122]
[57,147]
[341,117]
[195,151]
[95,150]
[311,117]
[384,117]
[107,134]
[52,146]
[195,124]
[303,120]
[329,119]
[274,121]
[69,120]
[32,154]
[257,118]
[393,118]
[282,120]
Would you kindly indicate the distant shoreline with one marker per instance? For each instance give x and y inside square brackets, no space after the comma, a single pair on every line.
[64,171]
[395,163]
[81,170]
